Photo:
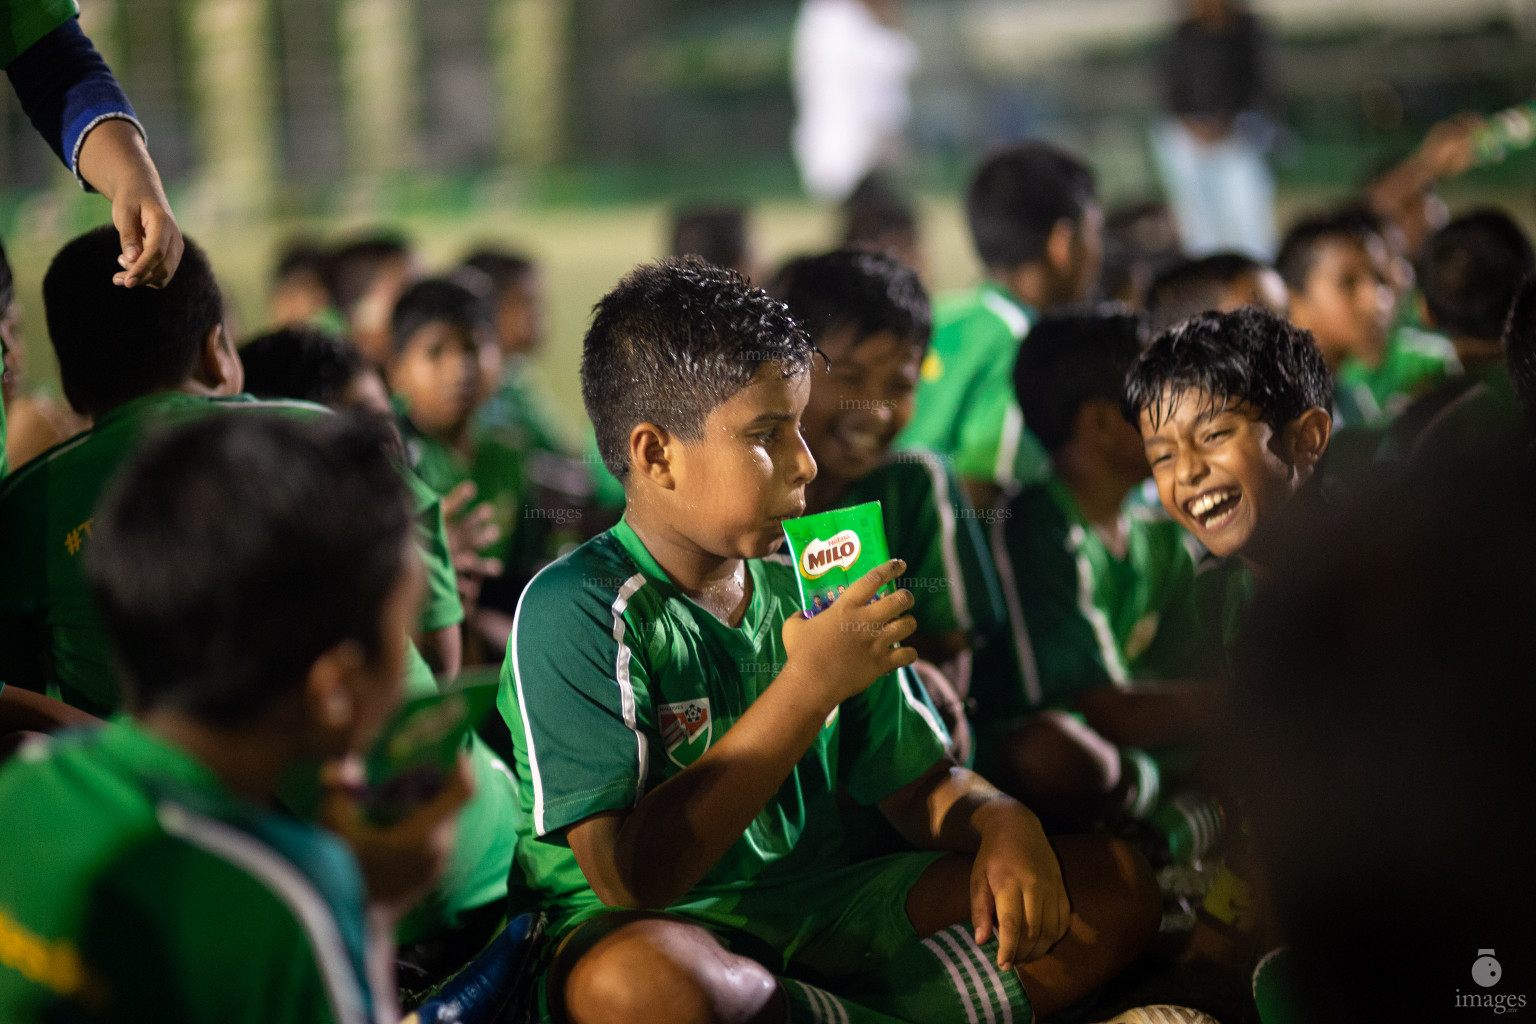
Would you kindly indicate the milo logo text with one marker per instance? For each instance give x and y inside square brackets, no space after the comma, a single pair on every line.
[840,550]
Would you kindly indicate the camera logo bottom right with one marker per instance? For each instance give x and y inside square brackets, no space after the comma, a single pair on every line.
[1487,972]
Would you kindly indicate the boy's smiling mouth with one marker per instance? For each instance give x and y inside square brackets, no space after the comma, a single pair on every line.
[1214,508]
[861,441]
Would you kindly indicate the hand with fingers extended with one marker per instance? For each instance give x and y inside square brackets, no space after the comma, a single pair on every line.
[471,529]
[400,862]
[1016,883]
[846,647]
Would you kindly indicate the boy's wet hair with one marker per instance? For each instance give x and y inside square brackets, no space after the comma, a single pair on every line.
[232,553]
[506,270]
[1194,286]
[300,362]
[867,291]
[1018,195]
[355,265]
[1249,357]
[1299,249]
[1520,346]
[1469,273]
[674,340]
[116,344]
[715,234]
[438,300]
[1071,357]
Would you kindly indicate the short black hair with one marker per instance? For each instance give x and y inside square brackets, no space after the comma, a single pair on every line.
[300,362]
[506,270]
[1299,249]
[355,265]
[1072,357]
[1520,346]
[1470,270]
[437,300]
[301,256]
[869,291]
[715,234]
[116,344]
[674,340]
[231,553]
[874,213]
[1249,356]
[1018,195]
[1194,286]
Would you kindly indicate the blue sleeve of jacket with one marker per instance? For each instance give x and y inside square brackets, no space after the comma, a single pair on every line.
[66,90]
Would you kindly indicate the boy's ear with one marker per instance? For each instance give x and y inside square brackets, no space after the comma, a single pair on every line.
[330,699]
[1306,438]
[219,365]
[651,450]
[1061,245]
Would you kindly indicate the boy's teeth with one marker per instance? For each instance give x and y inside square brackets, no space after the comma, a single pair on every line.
[1203,504]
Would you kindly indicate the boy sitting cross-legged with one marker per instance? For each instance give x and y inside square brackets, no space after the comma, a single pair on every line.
[258,579]
[681,730]
[1101,598]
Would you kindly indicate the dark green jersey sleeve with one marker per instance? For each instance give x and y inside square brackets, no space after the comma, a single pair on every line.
[441,607]
[574,684]
[176,933]
[24,23]
[889,736]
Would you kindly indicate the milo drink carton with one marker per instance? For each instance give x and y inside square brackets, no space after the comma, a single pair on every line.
[415,754]
[833,549]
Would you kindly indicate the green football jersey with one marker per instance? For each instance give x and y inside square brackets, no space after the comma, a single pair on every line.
[1081,616]
[1224,591]
[1415,361]
[964,407]
[495,467]
[50,637]
[929,523]
[518,411]
[133,886]
[615,681]
[25,22]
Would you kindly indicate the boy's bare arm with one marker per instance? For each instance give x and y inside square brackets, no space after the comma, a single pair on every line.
[23,709]
[1015,879]
[653,854]
[1149,714]
[113,159]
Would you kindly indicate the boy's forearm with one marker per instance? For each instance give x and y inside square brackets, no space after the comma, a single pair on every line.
[1150,714]
[948,809]
[681,829]
[23,709]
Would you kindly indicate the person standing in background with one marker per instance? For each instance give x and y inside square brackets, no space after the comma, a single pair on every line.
[852,60]
[1210,151]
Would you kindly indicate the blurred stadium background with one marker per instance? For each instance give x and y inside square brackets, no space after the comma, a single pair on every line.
[571,128]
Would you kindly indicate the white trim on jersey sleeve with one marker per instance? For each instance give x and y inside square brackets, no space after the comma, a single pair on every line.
[522,705]
[1023,648]
[1108,649]
[290,886]
[958,599]
[621,675]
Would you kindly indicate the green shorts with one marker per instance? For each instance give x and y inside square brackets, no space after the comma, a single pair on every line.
[847,932]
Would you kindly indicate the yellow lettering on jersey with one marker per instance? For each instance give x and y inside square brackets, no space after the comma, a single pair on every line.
[78,537]
[54,965]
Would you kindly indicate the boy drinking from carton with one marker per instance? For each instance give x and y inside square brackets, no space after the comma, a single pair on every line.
[1038,229]
[681,728]
[1233,414]
[148,871]
[1100,598]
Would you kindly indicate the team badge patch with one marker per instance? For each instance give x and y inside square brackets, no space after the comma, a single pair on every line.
[685,730]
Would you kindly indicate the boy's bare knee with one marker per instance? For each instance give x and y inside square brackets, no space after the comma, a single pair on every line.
[1115,889]
[1055,759]
[666,971]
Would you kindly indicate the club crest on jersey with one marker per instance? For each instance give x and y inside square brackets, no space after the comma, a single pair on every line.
[685,730]
[838,551]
